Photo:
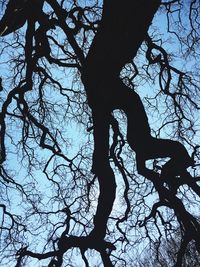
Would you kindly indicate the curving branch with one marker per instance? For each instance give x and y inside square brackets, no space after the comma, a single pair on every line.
[118,37]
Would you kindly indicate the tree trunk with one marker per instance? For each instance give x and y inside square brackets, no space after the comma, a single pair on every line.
[121,32]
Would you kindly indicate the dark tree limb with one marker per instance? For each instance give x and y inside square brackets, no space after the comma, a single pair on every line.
[105,91]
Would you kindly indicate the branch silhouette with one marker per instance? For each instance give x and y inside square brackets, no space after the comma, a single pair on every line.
[117,39]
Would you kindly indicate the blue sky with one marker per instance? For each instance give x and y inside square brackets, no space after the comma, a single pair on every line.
[76,134]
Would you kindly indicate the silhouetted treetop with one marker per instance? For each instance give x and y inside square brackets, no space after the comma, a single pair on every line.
[99,133]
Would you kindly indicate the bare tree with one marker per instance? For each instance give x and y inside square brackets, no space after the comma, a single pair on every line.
[166,254]
[99,131]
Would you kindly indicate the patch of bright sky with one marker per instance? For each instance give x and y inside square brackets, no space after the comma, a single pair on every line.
[184,63]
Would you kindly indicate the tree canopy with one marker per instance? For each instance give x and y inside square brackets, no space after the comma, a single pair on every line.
[99,133]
